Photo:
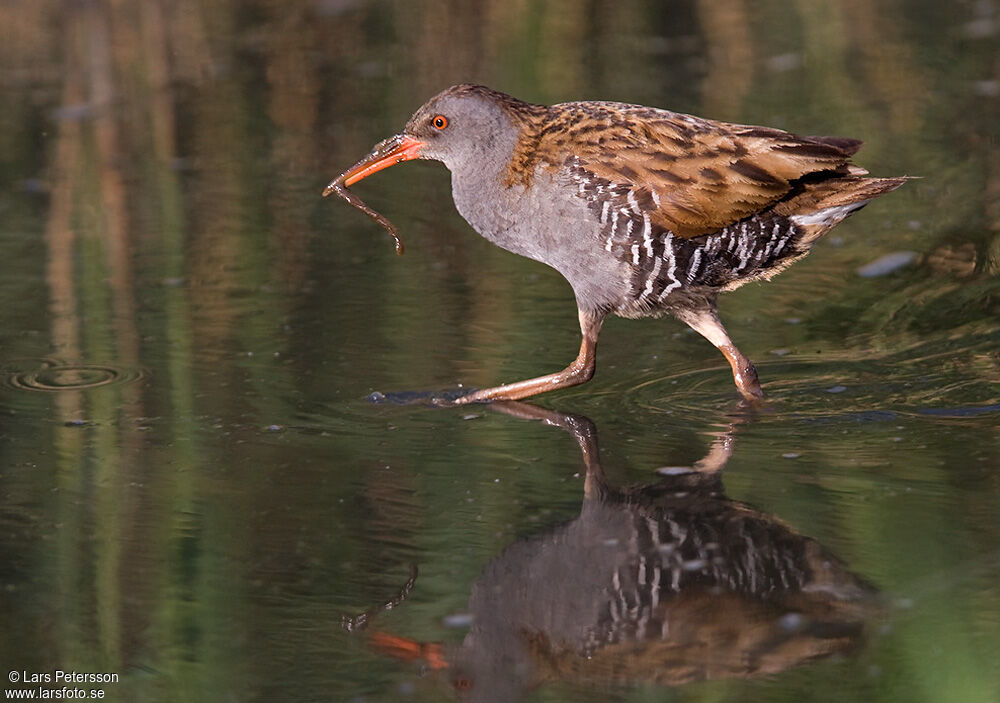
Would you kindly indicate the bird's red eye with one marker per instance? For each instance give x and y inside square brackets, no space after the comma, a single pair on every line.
[440,122]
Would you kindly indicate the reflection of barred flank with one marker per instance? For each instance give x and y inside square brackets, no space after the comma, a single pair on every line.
[672,556]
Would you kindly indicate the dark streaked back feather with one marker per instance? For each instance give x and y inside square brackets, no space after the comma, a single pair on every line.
[702,175]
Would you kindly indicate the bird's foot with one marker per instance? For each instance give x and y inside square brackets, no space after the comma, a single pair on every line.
[439,399]
[751,399]
[745,376]
[463,396]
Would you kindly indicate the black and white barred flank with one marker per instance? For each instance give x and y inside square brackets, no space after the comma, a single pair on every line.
[663,264]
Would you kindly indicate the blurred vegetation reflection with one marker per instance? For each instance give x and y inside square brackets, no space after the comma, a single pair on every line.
[206,491]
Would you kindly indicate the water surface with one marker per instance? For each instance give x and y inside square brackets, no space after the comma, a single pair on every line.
[195,491]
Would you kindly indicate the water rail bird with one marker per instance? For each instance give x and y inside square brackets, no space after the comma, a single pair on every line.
[644,211]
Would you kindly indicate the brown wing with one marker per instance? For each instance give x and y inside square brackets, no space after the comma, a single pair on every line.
[694,176]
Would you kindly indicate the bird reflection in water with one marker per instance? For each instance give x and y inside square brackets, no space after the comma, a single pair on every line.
[666,583]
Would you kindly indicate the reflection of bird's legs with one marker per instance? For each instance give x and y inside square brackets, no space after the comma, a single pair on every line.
[584,432]
[718,455]
[579,427]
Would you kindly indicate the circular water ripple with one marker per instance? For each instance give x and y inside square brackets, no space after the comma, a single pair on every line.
[49,375]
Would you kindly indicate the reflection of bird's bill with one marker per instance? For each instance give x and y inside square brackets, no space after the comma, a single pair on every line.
[406,649]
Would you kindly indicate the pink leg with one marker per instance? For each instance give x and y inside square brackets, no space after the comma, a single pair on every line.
[707,324]
[580,371]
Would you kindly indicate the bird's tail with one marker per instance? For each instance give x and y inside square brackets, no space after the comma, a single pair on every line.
[823,204]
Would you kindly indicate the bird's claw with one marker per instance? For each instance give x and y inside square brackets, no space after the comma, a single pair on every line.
[449,399]
[438,399]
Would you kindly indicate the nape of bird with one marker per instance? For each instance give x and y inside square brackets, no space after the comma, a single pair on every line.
[644,211]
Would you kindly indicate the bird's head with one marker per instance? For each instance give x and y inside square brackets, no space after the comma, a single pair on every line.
[464,126]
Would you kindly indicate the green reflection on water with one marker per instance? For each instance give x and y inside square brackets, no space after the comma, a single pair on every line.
[200,530]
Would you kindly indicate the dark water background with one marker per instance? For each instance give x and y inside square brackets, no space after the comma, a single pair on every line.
[194,490]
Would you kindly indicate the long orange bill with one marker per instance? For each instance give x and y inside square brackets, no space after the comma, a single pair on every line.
[393,150]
